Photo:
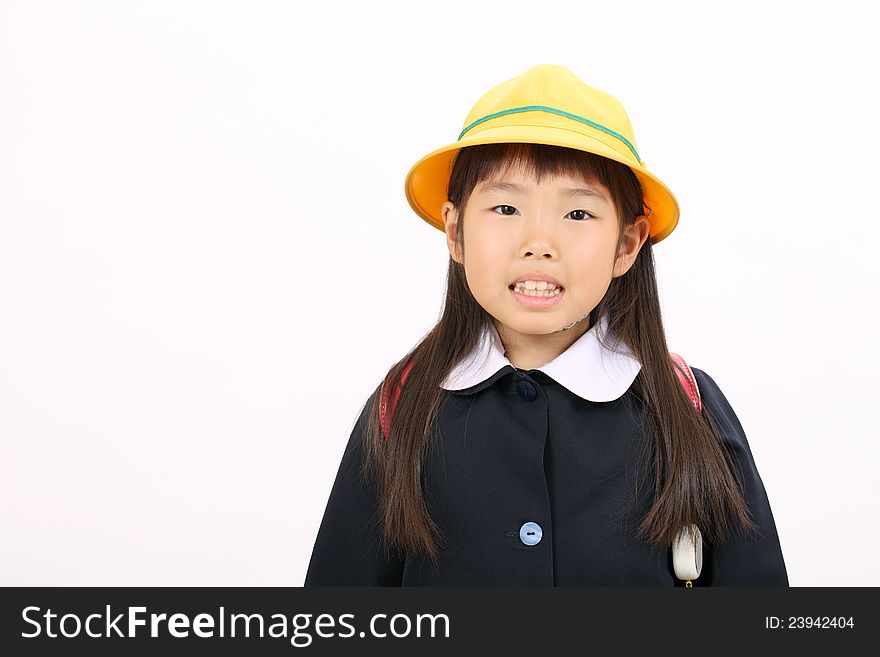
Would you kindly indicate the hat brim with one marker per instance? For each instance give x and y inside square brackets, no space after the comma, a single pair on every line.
[427,181]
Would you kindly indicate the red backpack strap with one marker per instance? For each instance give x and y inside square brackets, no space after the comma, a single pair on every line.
[686,376]
[687,554]
[385,413]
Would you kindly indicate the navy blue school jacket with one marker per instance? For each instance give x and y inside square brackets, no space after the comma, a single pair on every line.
[531,478]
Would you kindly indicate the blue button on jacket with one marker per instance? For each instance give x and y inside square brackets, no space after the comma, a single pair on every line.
[532,484]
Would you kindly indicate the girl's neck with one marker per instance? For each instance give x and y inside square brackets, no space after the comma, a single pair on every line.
[527,351]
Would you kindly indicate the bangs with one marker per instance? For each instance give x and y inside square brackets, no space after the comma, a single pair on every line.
[537,161]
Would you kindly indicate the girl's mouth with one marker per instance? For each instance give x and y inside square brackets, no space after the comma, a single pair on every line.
[536,298]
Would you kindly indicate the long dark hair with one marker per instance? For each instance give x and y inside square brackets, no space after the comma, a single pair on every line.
[693,482]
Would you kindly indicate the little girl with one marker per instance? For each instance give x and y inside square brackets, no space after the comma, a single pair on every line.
[541,434]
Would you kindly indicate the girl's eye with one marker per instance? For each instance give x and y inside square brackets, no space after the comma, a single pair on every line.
[505,206]
[507,214]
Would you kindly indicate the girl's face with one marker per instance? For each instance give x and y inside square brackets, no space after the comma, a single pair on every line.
[563,229]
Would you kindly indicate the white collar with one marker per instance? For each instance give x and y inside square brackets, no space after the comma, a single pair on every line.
[587,368]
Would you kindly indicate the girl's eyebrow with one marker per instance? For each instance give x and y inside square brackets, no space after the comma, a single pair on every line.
[565,192]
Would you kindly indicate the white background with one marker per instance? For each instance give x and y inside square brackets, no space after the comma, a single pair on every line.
[207,261]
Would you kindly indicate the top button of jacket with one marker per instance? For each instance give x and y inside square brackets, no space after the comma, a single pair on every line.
[526,390]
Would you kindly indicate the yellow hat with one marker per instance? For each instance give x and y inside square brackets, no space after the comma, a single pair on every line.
[548,104]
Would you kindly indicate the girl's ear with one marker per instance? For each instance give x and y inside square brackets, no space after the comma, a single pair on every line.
[450,220]
[633,238]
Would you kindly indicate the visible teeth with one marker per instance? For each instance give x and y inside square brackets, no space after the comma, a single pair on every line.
[538,293]
[536,285]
